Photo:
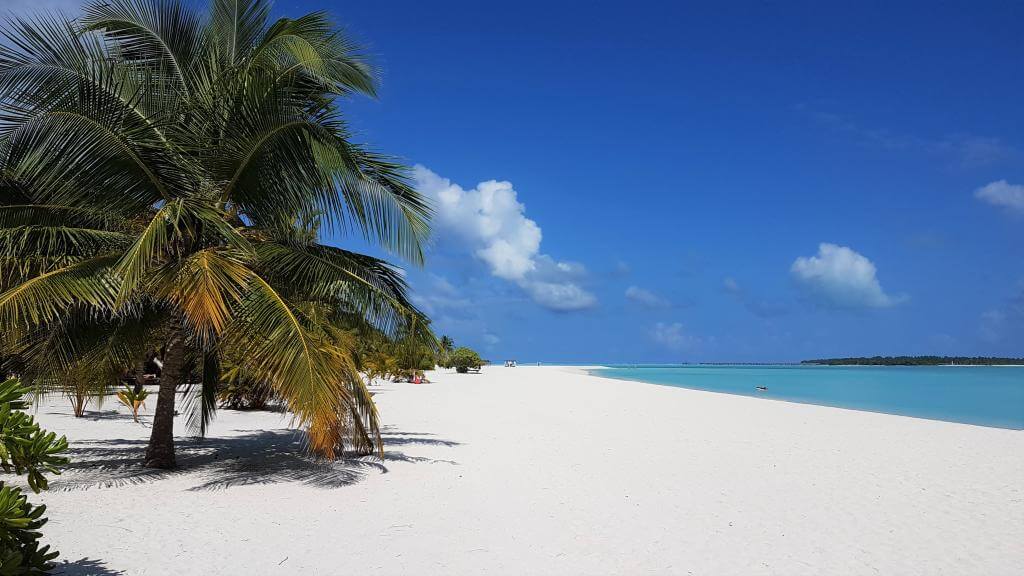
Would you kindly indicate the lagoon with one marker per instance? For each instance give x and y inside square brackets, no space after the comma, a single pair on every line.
[981,395]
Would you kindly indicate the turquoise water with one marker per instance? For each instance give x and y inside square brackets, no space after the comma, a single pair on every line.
[983,395]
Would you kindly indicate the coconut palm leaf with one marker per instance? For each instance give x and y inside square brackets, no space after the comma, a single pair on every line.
[307,48]
[236,25]
[45,297]
[279,345]
[150,33]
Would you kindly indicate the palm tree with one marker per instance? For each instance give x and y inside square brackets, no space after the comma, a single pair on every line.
[163,178]
[447,345]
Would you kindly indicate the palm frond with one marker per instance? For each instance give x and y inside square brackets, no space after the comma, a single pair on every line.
[47,62]
[236,26]
[280,346]
[46,296]
[170,235]
[308,47]
[370,287]
[205,286]
[201,397]
[151,34]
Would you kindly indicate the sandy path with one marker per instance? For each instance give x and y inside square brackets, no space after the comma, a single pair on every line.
[543,471]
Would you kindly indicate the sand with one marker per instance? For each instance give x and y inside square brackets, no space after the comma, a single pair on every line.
[543,470]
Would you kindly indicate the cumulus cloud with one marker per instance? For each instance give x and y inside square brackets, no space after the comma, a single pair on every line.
[1003,194]
[674,337]
[839,277]
[646,297]
[491,223]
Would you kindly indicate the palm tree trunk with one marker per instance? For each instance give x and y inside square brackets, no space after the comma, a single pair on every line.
[160,452]
[79,400]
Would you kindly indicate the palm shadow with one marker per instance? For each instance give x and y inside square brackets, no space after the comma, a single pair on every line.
[85,567]
[254,458]
[95,415]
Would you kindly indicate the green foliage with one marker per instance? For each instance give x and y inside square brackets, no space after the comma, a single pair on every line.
[20,521]
[447,346]
[463,359]
[25,449]
[237,392]
[409,353]
[132,399]
[379,363]
[164,179]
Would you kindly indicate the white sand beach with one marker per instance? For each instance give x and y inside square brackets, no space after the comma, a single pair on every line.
[545,470]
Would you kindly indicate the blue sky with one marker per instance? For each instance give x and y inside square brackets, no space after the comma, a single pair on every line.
[645,182]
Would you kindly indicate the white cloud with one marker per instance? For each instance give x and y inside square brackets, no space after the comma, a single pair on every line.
[673,336]
[1002,193]
[491,340]
[563,297]
[646,297]
[840,277]
[491,223]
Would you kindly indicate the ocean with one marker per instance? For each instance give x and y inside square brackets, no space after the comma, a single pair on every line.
[982,395]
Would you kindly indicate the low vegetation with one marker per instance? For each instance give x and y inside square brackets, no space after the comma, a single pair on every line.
[25,450]
[464,359]
[134,399]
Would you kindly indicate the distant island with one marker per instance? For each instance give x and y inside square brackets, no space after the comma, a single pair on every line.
[916,361]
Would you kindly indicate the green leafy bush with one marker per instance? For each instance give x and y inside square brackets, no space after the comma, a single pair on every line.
[463,359]
[25,449]
[20,522]
[238,392]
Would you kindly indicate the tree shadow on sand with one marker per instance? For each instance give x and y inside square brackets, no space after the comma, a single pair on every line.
[257,457]
[97,415]
[85,567]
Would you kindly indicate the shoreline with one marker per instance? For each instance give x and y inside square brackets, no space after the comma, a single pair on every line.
[784,400]
[637,375]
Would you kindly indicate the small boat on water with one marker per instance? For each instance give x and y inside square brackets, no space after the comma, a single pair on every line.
[761,388]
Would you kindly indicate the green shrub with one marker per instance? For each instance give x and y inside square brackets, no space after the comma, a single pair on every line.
[239,392]
[20,522]
[463,359]
[25,449]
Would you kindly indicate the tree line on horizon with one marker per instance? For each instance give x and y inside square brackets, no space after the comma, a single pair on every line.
[916,361]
